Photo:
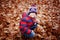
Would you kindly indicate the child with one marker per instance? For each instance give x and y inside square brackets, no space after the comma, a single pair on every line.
[29,23]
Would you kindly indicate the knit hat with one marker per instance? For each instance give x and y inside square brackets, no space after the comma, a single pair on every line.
[32,9]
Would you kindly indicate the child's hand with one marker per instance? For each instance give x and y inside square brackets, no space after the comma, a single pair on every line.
[35,24]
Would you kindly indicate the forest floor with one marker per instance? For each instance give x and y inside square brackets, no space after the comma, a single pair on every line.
[48,15]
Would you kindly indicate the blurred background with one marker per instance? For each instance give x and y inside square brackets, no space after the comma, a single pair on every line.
[48,15]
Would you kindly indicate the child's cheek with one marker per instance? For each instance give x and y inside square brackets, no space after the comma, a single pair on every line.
[32,16]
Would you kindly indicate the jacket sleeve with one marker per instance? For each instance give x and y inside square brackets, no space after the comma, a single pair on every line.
[23,26]
[34,26]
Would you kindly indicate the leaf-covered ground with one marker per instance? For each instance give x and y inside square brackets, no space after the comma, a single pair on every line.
[48,16]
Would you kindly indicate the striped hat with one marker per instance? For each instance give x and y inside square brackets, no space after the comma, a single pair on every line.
[32,9]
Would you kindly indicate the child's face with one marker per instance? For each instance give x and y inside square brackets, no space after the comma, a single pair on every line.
[32,15]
